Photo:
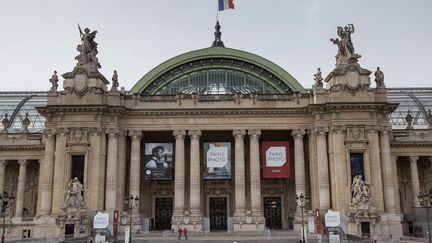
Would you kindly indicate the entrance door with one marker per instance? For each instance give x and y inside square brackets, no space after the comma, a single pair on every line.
[163,213]
[273,212]
[218,213]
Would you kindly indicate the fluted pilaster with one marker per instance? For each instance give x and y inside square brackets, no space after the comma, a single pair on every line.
[179,180]
[21,187]
[111,171]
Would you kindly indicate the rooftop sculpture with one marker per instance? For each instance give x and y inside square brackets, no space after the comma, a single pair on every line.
[88,50]
[346,53]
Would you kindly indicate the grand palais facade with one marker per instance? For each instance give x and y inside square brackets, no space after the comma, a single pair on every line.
[216,139]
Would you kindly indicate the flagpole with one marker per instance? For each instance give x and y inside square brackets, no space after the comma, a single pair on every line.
[217,11]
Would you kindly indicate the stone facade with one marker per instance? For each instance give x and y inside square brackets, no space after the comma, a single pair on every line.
[106,132]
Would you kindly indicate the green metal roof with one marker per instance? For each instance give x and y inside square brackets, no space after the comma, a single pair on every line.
[217,52]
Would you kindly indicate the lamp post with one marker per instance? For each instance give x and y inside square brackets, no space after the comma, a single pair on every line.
[302,202]
[425,200]
[132,203]
[7,203]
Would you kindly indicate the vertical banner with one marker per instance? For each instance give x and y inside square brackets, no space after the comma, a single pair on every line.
[158,161]
[115,224]
[217,157]
[276,159]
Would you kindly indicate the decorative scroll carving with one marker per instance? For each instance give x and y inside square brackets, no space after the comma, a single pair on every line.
[355,133]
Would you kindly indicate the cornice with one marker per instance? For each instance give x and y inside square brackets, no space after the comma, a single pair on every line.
[218,112]
[411,144]
[342,106]
[21,147]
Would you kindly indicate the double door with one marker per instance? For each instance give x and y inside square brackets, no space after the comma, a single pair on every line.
[218,213]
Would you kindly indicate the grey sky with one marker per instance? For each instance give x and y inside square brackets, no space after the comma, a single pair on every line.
[39,36]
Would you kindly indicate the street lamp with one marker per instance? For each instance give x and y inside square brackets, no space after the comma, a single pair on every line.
[425,200]
[7,203]
[132,203]
[302,202]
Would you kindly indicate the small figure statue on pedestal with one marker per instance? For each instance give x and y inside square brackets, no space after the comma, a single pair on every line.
[115,83]
[409,119]
[26,122]
[379,78]
[429,120]
[54,81]
[5,122]
[318,79]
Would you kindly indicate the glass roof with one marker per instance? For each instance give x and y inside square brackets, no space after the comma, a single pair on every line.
[17,104]
[418,101]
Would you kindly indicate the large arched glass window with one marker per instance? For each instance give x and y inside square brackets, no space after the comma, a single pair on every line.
[217,81]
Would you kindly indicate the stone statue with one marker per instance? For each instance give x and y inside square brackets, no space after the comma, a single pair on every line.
[54,81]
[26,122]
[346,52]
[74,198]
[429,119]
[409,119]
[115,83]
[360,190]
[318,79]
[5,122]
[379,78]
[87,49]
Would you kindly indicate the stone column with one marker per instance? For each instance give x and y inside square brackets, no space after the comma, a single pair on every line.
[47,170]
[323,168]
[255,177]
[396,184]
[179,180]
[21,187]
[239,177]
[375,169]
[3,164]
[341,194]
[387,173]
[195,174]
[134,183]
[59,186]
[299,163]
[111,171]
[121,169]
[414,180]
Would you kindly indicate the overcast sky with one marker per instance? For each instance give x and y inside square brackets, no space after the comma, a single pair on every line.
[40,36]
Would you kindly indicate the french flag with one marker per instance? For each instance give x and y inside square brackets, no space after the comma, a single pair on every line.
[226,4]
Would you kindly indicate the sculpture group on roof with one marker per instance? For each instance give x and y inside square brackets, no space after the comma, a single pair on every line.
[346,53]
[88,49]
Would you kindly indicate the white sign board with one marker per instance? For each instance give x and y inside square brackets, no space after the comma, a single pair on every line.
[100,238]
[101,220]
[276,156]
[332,219]
[217,157]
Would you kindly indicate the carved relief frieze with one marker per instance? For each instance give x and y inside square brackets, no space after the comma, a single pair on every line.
[356,133]
[78,136]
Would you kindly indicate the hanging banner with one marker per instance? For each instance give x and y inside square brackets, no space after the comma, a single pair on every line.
[217,157]
[158,161]
[276,159]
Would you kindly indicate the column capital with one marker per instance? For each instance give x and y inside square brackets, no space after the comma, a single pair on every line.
[385,130]
[112,132]
[49,132]
[62,131]
[239,133]
[298,133]
[254,133]
[179,134]
[321,130]
[338,129]
[413,159]
[372,129]
[23,162]
[3,162]
[97,131]
[196,134]
[135,134]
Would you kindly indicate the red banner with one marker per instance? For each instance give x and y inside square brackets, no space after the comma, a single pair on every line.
[276,159]
[115,224]
[317,221]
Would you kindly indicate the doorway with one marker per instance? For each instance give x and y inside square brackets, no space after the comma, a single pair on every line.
[163,213]
[218,213]
[273,212]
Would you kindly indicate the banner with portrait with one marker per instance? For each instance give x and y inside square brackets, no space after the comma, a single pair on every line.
[276,159]
[217,158]
[158,161]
